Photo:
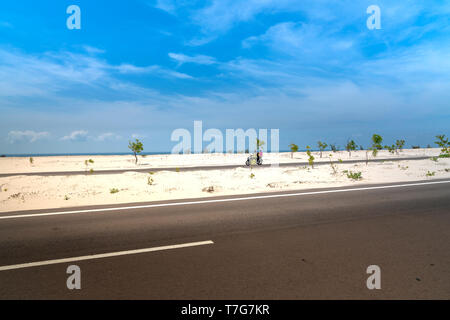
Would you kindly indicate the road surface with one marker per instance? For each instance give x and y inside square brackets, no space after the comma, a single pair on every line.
[198,168]
[313,244]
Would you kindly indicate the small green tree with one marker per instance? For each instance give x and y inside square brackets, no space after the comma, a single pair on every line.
[351,146]
[322,146]
[400,144]
[392,149]
[87,162]
[294,148]
[377,140]
[259,144]
[311,157]
[334,167]
[444,144]
[136,147]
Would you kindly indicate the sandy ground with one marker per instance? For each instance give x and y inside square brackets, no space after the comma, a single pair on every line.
[77,163]
[22,192]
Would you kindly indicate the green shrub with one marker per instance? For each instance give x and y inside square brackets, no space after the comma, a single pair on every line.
[294,148]
[311,157]
[113,190]
[259,144]
[322,146]
[87,162]
[351,146]
[392,149]
[333,166]
[430,174]
[377,140]
[354,175]
[400,144]
[150,181]
[252,176]
[443,143]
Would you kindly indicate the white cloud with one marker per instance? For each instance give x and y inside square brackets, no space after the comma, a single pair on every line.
[166,5]
[221,15]
[300,40]
[108,136]
[93,50]
[79,135]
[138,136]
[30,136]
[199,41]
[198,59]
[52,72]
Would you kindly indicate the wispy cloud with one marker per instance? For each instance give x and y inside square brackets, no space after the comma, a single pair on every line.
[93,50]
[138,136]
[166,5]
[108,136]
[25,75]
[198,59]
[79,135]
[27,136]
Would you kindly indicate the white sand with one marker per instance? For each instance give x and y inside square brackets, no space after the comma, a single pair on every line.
[77,163]
[21,192]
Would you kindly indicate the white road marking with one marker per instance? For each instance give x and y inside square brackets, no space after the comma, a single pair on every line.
[103,255]
[36,215]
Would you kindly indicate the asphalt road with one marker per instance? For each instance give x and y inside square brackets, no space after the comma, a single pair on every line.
[314,245]
[197,168]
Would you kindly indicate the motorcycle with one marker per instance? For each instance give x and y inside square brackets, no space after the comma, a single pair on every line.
[253,160]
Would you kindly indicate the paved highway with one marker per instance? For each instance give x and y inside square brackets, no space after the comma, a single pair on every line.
[311,244]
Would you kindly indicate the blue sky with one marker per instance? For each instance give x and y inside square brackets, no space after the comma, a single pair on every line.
[142,68]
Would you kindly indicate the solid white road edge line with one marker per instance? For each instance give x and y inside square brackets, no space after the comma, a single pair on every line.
[104,255]
[220,200]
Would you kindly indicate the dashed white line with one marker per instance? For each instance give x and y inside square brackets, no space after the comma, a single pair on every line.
[185,203]
[103,255]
